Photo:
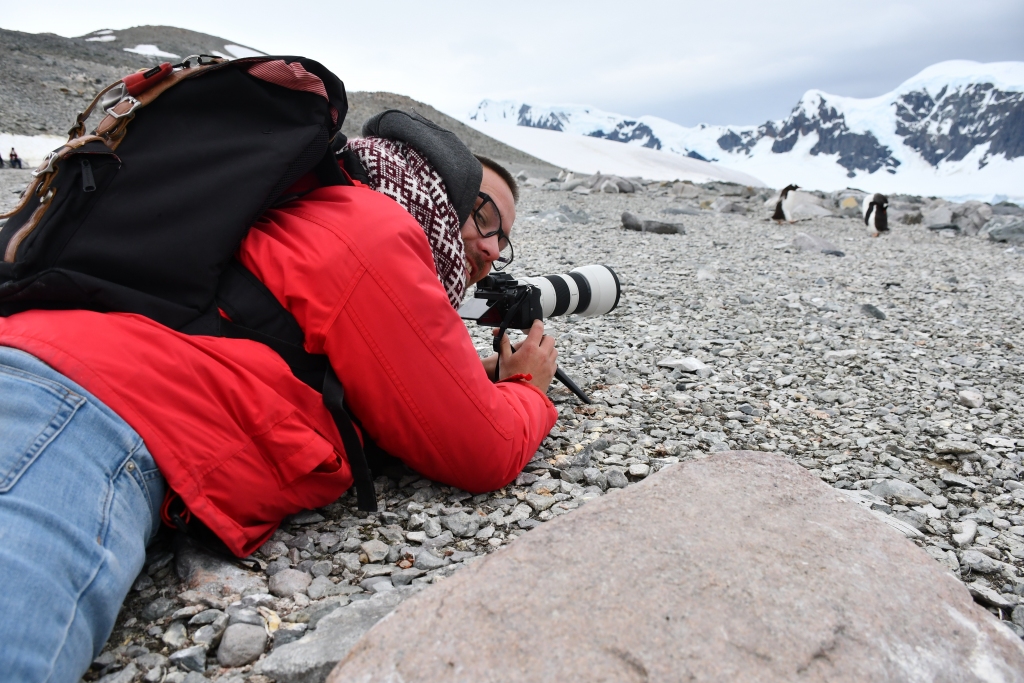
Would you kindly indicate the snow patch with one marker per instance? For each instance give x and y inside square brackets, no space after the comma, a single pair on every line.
[584,154]
[238,52]
[151,51]
[101,39]
[31,148]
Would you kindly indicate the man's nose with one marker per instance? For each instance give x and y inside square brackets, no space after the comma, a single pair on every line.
[490,249]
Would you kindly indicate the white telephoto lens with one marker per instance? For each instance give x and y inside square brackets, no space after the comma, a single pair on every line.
[586,291]
[604,289]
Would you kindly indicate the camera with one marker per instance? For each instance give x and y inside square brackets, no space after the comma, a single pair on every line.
[503,301]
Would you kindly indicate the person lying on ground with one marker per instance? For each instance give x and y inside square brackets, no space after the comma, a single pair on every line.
[108,416]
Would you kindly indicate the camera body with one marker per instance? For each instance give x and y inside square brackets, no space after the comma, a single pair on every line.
[505,295]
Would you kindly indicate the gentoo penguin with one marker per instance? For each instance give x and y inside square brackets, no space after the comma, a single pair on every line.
[782,213]
[875,216]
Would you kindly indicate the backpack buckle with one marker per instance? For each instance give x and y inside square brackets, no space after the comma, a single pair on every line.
[49,162]
[120,111]
[198,60]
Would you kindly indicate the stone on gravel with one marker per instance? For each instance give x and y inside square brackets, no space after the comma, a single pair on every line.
[151,660]
[160,607]
[241,644]
[616,478]
[191,658]
[639,470]
[688,364]
[971,398]
[318,610]
[803,206]
[175,636]
[971,216]
[205,573]
[375,550]
[725,205]
[321,568]
[874,311]
[981,563]
[427,560]
[1011,231]
[956,479]
[287,582]
[289,633]
[815,244]
[632,222]
[310,658]
[964,532]
[210,634]
[900,491]
[125,675]
[238,614]
[376,584]
[955,447]
[986,596]
[539,502]
[322,587]
[461,524]
[815,588]
[207,616]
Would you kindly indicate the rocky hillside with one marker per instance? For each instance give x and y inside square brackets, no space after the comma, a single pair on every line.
[955,129]
[48,79]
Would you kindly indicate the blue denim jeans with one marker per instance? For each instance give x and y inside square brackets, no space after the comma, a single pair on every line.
[80,499]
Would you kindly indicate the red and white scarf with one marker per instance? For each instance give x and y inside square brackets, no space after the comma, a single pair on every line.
[405,175]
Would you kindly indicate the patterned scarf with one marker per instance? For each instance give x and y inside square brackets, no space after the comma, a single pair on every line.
[402,173]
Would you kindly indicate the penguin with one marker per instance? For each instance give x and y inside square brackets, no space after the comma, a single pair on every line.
[782,213]
[875,216]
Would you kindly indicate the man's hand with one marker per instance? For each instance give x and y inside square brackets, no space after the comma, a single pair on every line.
[536,355]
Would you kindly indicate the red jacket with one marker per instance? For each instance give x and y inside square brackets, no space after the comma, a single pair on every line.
[240,439]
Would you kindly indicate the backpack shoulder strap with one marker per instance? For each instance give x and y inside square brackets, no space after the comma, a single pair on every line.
[254,313]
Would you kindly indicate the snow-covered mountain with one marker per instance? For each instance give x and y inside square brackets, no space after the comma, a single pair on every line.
[956,129]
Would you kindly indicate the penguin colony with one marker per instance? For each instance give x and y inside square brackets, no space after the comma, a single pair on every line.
[874,210]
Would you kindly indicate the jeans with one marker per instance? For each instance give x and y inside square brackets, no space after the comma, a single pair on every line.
[80,499]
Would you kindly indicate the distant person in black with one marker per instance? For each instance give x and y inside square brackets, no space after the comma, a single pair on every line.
[14,158]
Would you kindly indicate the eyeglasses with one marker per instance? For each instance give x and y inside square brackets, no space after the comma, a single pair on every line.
[487,219]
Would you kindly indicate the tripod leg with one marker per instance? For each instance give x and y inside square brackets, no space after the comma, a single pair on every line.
[571,385]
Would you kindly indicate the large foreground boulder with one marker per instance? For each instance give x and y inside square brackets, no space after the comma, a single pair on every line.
[739,567]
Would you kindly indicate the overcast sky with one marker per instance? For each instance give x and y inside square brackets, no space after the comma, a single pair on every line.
[726,62]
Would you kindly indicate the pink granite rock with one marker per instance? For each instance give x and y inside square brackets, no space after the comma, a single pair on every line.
[739,567]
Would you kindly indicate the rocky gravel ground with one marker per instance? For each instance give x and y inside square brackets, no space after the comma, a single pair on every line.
[894,372]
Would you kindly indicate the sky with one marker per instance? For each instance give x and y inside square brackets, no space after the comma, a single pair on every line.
[730,62]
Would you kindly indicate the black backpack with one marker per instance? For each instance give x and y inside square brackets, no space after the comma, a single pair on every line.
[144,215]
